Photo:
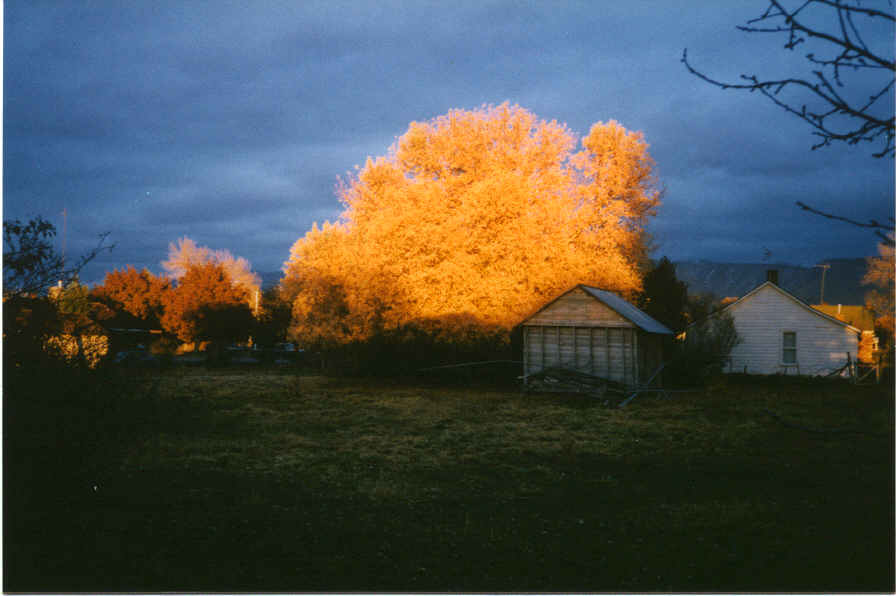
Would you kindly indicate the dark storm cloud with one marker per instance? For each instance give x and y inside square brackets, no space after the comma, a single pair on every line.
[232,122]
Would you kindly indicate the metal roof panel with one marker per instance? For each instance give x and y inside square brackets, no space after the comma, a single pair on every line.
[628,310]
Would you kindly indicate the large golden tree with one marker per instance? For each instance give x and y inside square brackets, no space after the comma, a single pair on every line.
[477,215]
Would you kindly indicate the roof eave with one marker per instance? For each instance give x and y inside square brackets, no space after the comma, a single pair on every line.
[787,294]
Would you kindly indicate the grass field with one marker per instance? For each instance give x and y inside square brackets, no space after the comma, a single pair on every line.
[256,480]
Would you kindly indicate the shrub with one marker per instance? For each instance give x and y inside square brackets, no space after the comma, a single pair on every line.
[704,350]
[73,348]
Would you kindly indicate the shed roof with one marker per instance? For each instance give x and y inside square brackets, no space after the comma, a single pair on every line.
[625,309]
[628,310]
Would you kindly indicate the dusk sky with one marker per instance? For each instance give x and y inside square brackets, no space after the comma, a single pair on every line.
[232,122]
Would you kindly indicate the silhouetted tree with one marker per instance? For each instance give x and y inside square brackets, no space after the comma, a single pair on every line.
[31,265]
[705,349]
[221,322]
[30,262]
[700,306]
[665,297]
[273,319]
[28,321]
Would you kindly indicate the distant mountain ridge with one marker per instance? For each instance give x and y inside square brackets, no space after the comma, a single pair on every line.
[842,283]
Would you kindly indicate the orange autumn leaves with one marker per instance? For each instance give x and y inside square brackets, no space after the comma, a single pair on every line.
[477,215]
[207,295]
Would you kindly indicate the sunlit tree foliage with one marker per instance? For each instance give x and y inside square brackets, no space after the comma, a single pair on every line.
[186,253]
[81,336]
[207,305]
[139,293]
[484,213]
[881,274]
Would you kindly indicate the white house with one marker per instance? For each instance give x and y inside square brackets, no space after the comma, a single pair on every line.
[782,334]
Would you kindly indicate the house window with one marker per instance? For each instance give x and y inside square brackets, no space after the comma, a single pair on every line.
[788,349]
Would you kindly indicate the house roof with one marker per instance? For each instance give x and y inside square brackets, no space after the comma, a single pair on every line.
[787,294]
[625,309]
[855,315]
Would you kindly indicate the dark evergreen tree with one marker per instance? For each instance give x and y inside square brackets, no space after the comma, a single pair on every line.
[665,297]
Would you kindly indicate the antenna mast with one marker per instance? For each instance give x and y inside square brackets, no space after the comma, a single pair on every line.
[824,269]
[64,225]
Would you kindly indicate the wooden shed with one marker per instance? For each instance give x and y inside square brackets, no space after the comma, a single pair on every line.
[595,332]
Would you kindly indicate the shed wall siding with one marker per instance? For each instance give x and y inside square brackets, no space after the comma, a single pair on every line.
[578,309]
[607,352]
[760,320]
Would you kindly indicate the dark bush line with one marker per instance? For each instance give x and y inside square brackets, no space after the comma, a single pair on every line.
[406,351]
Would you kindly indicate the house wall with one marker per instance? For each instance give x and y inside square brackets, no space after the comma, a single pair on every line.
[822,345]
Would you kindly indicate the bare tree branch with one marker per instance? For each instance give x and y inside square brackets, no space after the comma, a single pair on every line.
[883,231]
[841,119]
[30,263]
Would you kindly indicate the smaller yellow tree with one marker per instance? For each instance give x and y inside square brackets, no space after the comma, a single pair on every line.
[82,339]
[880,273]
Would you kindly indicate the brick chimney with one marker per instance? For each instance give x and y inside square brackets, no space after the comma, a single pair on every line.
[772,276]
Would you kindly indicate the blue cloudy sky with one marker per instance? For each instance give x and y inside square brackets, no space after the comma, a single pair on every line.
[231,122]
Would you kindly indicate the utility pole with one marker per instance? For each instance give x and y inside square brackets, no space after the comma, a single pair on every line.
[824,269]
[64,226]
[252,339]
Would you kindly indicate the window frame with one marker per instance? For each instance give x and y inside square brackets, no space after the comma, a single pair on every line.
[785,349]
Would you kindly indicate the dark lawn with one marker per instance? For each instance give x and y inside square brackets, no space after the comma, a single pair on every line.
[258,480]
